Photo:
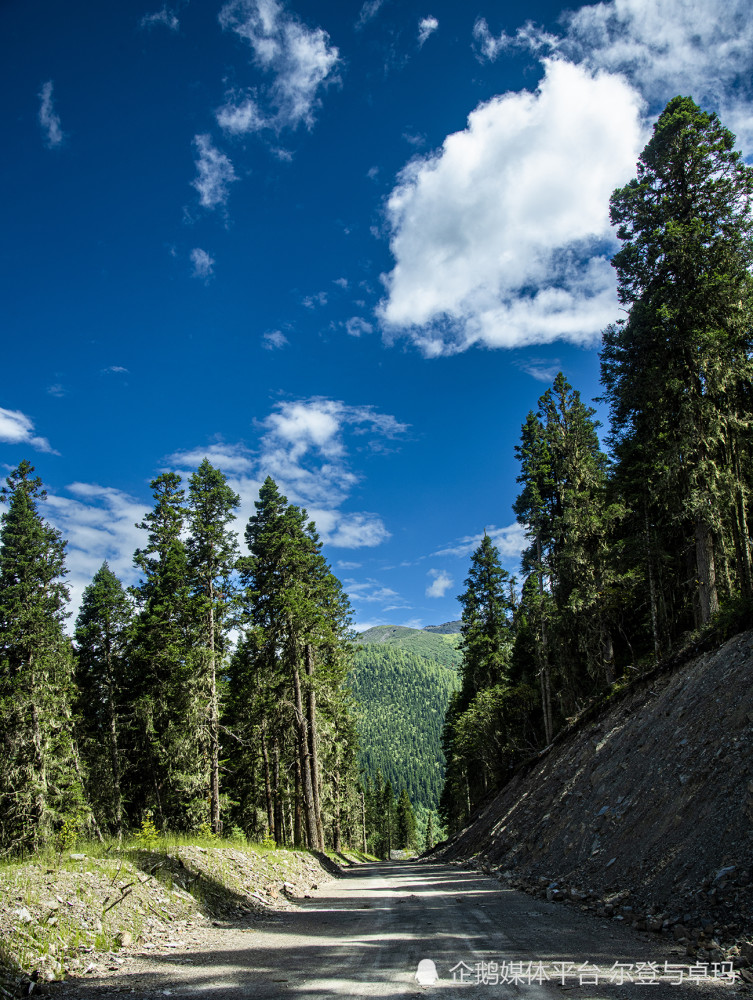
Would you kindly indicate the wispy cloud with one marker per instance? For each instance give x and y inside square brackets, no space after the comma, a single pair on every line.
[426,26]
[357,326]
[165,18]
[57,389]
[114,370]
[99,523]
[313,301]
[203,264]
[274,340]
[510,542]
[17,428]
[215,173]
[300,60]
[49,120]
[440,584]
[240,114]
[542,371]
[368,12]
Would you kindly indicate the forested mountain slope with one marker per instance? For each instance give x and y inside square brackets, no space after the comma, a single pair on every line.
[646,812]
[402,683]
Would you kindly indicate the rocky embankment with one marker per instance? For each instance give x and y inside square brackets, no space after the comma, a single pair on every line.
[645,814]
[82,914]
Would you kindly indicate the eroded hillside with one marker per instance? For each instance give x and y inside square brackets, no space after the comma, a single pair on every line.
[645,814]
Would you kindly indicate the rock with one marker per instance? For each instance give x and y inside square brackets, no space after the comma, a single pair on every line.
[124,939]
[77,857]
[24,917]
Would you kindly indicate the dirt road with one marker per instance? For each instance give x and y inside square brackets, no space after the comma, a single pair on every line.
[363,935]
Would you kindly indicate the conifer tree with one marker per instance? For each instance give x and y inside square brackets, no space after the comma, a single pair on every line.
[212,555]
[170,773]
[677,372]
[101,637]
[39,779]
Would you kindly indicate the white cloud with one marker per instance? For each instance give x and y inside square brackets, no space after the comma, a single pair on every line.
[542,371]
[114,370]
[426,26]
[303,448]
[99,523]
[274,340]
[440,584]
[240,115]
[215,171]
[344,564]
[368,12]
[313,301]
[58,390]
[668,47]
[17,428]
[166,18]
[510,542]
[371,592]
[300,59]
[203,264]
[49,120]
[502,237]
[526,37]
[703,48]
[356,326]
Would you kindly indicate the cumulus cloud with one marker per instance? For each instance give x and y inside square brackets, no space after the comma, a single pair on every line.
[700,47]
[274,340]
[426,26]
[165,18]
[663,47]
[17,428]
[502,237]
[440,584]
[215,173]
[304,447]
[299,59]
[510,542]
[49,120]
[203,264]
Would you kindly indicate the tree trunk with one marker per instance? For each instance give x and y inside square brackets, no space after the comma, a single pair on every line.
[746,572]
[651,585]
[312,834]
[363,819]
[214,726]
[277,793]
[114,755]
[706,571]
[268,786]
[312,736]
[336,830]
[546,693]
[297,818]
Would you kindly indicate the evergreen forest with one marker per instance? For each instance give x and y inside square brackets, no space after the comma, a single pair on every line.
[402,697]
[637,550]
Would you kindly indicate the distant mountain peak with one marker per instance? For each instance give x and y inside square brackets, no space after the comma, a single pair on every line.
[449,628]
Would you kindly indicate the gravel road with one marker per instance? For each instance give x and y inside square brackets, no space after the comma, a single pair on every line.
[364,934]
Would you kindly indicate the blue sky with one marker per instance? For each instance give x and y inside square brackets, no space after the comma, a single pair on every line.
[346,245]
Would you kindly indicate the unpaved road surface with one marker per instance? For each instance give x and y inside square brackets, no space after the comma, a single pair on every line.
[363,935]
